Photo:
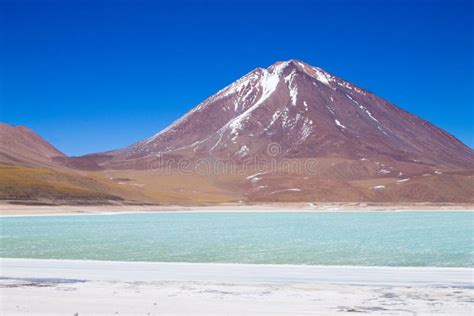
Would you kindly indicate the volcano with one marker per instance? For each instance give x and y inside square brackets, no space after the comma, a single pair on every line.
[309,113]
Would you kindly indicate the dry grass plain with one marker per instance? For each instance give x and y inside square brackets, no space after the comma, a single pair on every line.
[335,180]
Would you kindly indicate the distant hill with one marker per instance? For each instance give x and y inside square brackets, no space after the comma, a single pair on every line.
[28,172]
[20,145]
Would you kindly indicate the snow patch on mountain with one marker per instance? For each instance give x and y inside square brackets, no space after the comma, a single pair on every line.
[287,190]
[339,124]
[255,175]
[243,151]
[349,86]
[269,83]
[363,108]
[292,87]
[403,180]
[305,105]
[377,187]
[330,109]
[322,76]
[306,130]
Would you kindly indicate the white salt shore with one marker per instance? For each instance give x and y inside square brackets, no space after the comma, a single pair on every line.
[67,287]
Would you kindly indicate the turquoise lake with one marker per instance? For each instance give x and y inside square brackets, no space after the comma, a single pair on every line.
[327,238]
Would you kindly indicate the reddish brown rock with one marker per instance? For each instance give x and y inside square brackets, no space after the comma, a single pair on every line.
[309,113]
[19,145]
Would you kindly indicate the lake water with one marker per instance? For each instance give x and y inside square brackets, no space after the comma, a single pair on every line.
[330,238]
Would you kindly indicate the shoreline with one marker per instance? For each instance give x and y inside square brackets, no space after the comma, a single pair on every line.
[184,288]
[8,210]
[97,270]
[224,265]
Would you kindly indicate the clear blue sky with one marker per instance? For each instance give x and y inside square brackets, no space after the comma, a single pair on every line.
[97,75]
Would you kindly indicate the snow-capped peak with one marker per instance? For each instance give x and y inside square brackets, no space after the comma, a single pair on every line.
[268,83]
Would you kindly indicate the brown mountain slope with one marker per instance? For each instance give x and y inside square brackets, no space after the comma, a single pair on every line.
[19,145]
[28,171]
[309,113]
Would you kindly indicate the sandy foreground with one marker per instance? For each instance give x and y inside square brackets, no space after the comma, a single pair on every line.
[7,209]
[69,287]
